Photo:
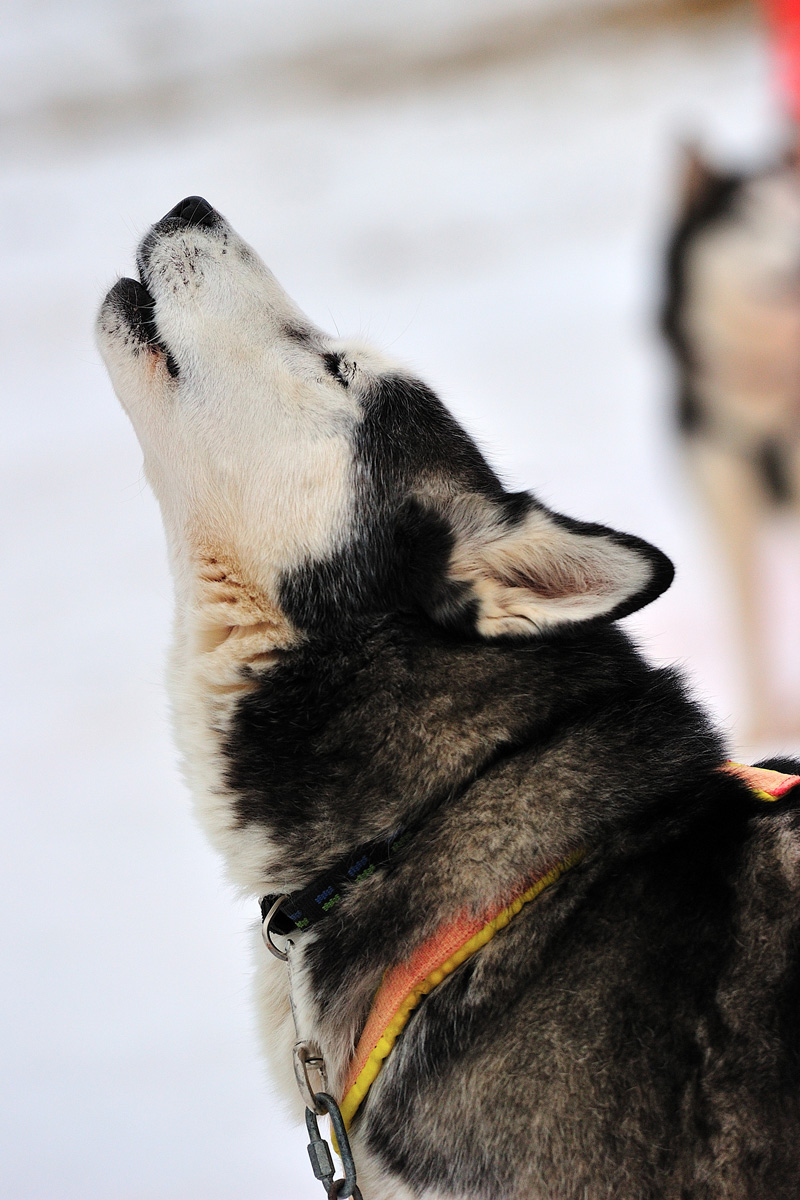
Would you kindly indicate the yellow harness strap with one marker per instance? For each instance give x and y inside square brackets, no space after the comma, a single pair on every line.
[404,985]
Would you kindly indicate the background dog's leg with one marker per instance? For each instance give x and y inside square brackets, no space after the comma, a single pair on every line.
[792,546]
[735,496]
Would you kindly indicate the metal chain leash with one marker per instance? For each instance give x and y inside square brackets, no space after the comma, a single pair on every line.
[312,1079]
[320,1155]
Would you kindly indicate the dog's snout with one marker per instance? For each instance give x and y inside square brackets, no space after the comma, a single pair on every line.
[194,210]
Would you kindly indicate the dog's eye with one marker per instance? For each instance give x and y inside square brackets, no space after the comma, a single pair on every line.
[341,368]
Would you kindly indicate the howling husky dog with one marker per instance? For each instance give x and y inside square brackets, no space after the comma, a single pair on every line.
[405,710]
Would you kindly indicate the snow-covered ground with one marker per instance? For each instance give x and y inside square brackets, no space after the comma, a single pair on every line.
[497,227]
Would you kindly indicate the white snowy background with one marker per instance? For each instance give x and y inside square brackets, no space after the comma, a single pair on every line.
[481,185]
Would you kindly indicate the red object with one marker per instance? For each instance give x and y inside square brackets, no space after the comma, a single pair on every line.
[783,18]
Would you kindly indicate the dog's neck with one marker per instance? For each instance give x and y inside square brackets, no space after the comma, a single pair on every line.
[340,745]
[482,748]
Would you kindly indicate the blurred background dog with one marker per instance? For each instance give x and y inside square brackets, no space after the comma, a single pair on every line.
[732,319]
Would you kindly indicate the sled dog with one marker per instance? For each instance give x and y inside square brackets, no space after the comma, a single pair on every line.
[542,940]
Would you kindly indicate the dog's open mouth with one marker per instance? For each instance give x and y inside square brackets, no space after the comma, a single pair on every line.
[136,306]
[132,299]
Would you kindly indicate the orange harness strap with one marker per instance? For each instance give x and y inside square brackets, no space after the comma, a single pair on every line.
[404,985]
[767,785]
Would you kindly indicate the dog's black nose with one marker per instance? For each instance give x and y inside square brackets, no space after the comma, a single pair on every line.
[194,210]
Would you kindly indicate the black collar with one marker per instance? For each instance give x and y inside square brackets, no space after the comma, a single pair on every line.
[301,910]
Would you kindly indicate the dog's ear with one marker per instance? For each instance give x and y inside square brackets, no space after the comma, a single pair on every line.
[515,569]
[697,176]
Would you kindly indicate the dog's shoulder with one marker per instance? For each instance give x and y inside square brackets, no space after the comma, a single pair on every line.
[668,971]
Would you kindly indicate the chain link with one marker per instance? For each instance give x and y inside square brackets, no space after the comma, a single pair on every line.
[320,1155]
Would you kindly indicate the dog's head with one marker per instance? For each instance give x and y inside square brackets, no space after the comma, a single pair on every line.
[731,307]
[306,481]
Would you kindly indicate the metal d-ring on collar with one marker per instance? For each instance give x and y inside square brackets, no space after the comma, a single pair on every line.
[267,934]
